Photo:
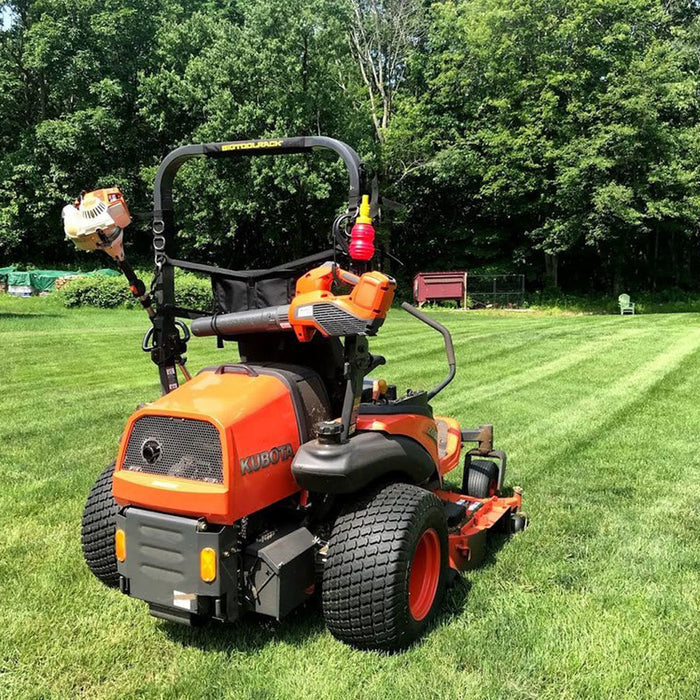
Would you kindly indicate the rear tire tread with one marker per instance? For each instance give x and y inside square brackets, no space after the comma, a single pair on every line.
[365,581]
[97,530]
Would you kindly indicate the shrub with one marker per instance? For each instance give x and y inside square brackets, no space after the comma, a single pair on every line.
[100,290]
[193,292]
[111,292]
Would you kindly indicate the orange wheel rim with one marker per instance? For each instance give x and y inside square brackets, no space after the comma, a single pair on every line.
[425,575]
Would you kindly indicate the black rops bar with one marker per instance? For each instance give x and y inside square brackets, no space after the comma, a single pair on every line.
[168,348]
[162,194]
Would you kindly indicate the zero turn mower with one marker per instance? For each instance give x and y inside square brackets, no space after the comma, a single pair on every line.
[256,483]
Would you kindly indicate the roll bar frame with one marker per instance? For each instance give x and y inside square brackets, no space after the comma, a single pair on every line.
[163,189]
[168,348]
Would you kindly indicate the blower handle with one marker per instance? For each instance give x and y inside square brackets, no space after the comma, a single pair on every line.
[321,278]
[449,347]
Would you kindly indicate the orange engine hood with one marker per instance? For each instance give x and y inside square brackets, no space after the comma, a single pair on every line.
[255,417]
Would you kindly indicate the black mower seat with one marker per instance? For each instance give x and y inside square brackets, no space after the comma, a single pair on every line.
[308,391]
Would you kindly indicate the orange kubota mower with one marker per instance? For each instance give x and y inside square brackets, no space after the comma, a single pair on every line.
[255,483]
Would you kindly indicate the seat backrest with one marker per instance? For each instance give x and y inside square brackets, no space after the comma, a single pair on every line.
[624,299]
[322,355]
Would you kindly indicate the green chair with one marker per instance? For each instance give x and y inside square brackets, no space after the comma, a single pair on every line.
[626,306]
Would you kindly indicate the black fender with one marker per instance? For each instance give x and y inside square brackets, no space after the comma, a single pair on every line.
[366,457]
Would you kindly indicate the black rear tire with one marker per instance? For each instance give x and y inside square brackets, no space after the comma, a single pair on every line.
[97,530]
[482,478]
[372,549]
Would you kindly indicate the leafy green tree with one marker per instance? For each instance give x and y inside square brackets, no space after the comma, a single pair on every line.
[383,35]
[274,68]
[565,126]
[554,138]
[97,93]
[69,87]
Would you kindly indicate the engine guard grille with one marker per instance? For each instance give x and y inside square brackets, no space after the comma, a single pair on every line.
[181,447]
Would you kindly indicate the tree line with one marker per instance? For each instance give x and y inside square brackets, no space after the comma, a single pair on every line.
[558,138]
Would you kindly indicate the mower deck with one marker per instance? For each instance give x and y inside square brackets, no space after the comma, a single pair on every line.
[467,539]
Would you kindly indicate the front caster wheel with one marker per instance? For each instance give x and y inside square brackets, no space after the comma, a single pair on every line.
[386,570]
[518,522]
[482,479]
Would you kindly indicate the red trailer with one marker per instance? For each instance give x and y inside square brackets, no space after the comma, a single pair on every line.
[436,286]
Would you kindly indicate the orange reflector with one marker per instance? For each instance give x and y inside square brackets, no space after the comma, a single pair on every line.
[120,544]
[379,388]
[207,564]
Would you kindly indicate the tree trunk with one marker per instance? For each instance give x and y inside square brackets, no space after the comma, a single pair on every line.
[674,259]
[551,267]
[617,277]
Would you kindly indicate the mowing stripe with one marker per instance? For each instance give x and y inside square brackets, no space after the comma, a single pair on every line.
[536,372]
[582,420]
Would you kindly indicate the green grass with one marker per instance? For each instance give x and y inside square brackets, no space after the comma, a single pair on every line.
[668,301]
[599,598]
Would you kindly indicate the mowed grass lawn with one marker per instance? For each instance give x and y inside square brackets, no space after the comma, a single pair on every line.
[599,598]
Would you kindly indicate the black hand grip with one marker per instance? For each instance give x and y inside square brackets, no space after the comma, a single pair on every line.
[147,342]
[449,347]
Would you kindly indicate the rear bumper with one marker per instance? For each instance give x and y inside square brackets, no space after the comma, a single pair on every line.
[162,565]
[175,495]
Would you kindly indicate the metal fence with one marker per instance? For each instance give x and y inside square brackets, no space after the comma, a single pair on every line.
[497,291]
